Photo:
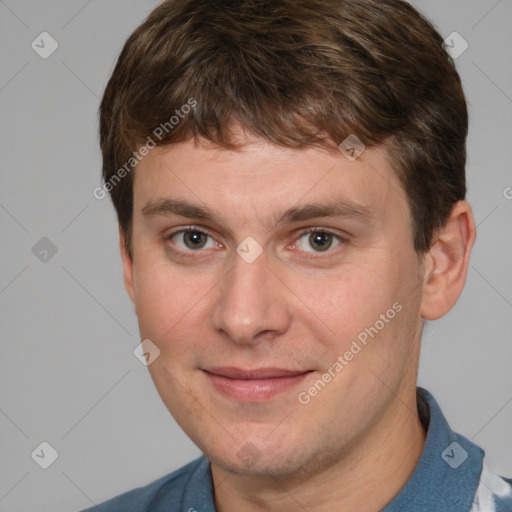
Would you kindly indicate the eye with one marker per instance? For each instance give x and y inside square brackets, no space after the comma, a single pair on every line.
[318,240]
[192,239]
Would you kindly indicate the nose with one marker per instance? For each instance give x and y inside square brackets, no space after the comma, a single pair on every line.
[252,303]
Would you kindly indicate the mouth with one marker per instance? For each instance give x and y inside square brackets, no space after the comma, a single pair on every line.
[256,385]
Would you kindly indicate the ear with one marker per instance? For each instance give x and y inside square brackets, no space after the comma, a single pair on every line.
[127,266]
[446,263]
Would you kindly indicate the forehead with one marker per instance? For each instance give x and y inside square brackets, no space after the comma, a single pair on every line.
[265,180]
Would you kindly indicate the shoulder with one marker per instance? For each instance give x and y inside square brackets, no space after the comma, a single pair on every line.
[140,499]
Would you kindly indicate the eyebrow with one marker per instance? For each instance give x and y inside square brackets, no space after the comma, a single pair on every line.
[167,206]
[341,208]
[336,208]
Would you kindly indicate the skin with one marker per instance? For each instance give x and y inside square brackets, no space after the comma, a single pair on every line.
[293,307]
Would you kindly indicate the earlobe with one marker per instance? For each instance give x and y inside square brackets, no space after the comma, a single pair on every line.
[127,266]
[447,262]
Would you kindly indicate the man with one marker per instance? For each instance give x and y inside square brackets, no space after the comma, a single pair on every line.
[290,188]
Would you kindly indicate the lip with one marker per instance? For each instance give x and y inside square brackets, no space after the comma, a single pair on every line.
[254,385]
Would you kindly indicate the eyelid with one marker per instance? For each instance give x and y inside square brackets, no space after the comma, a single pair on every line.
[183,229]
[318,229]
[300,234]
[169,234]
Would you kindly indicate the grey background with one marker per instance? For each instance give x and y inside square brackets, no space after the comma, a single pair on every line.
[67,372]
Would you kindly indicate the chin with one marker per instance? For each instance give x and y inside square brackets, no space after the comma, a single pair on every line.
[266,466]
[274,459]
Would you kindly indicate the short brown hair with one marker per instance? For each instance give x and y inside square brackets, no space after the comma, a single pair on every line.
[295,73]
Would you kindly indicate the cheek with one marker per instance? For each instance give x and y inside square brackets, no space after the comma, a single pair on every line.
[168,304]
[350,300]
[368,313]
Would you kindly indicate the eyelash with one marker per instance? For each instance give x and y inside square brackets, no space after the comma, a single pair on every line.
[308,231]
[194,229]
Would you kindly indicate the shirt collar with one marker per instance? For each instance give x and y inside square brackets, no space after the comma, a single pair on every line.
[447,474]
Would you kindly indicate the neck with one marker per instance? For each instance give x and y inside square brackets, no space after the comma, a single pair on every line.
[366,477]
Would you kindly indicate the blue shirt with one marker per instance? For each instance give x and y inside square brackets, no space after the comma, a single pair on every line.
[451,476]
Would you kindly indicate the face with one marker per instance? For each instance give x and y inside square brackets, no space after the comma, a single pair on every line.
[283,293]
